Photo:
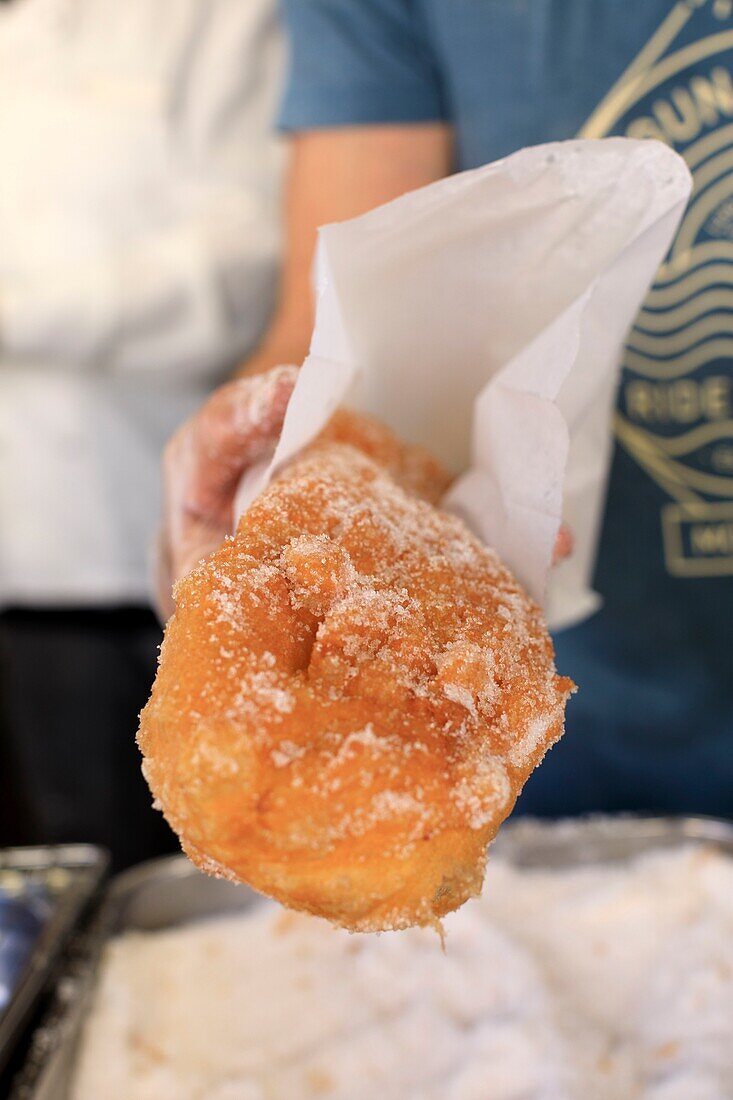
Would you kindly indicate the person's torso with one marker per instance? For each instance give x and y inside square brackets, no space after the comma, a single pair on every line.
[657,660]
[138,243]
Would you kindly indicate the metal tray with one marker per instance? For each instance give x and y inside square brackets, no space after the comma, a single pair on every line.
[61,880]
[161,893]
[169,892]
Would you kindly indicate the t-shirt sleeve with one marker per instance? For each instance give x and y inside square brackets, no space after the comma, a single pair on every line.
[356,62]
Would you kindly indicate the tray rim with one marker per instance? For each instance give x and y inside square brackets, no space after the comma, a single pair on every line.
[515,834]
[90,863]
[516,837]
[655,829]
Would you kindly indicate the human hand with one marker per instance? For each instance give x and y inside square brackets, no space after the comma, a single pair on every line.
[203,464]
[563,545]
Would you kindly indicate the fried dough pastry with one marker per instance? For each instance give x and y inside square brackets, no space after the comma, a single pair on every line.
[351,693]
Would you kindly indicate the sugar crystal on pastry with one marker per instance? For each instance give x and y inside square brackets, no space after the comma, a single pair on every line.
[352,692]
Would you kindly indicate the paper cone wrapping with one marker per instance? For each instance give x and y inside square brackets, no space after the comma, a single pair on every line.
[484,317]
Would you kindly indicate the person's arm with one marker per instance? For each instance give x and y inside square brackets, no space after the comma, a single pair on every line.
[333,175]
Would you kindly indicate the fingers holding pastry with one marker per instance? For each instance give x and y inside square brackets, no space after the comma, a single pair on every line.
[204,463]
[563,545]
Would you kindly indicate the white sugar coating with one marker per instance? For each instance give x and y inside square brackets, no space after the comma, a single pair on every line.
[286,753]
[461,695]
[487,789]
[523,748]
[260,403]
[368,667]
[366,621]
[602,983]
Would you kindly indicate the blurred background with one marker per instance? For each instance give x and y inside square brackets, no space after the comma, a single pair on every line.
[139,200]
[142,150]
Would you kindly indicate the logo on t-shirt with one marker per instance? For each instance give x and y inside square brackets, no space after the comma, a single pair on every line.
[675,411]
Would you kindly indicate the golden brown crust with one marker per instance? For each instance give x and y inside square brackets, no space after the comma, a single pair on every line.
[413,468]
[352,692]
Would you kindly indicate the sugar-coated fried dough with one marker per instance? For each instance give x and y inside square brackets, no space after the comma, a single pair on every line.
[351,693]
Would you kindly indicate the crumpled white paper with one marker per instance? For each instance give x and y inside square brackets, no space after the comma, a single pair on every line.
[484,317]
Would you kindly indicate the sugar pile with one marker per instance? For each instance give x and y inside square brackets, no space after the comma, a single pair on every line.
[610,983]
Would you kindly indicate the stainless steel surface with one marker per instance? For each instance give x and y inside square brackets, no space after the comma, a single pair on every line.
[52,886]
[159,894]
[170,892]
[532,843]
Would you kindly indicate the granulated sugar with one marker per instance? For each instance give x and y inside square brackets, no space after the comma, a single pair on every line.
[352,681]
[605,983]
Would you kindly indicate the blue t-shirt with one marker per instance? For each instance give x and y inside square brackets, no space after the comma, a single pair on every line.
[652,725]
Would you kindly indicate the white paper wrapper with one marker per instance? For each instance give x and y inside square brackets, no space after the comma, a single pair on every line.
[483,317]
